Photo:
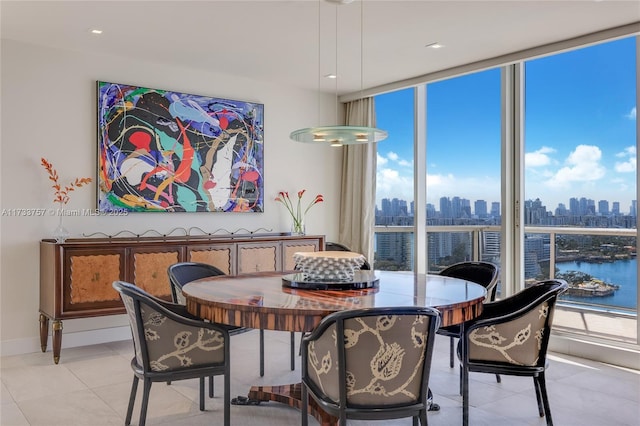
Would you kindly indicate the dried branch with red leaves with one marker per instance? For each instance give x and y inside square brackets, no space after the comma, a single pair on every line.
[61,195]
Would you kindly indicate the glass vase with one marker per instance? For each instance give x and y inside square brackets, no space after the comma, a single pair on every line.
[297,227]
[60,233]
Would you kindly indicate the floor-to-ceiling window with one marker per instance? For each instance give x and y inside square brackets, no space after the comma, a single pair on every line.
[463,169]
[580,175]
[395,182]
[578,167]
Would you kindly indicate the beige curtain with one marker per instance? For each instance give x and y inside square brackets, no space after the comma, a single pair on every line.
[358,191]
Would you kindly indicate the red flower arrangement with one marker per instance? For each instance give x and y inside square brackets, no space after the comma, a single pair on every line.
[297,214]
[61,195]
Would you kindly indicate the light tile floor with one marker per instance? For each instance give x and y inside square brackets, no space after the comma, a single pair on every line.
[90,386]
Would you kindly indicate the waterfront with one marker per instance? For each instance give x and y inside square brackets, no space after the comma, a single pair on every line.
[621,272]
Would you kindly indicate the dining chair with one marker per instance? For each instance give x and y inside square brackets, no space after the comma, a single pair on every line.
[511,337]
[170,344]
[183,272]
[370,364]
[330,246]
[484,273]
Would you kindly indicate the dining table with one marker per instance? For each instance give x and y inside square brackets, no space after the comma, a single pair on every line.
[284,301]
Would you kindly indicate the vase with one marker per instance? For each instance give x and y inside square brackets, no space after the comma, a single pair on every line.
[297,227]
[60,233]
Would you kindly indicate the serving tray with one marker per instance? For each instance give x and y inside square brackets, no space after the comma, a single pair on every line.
[361,280]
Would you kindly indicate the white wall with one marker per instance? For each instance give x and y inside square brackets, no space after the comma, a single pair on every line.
[48,110]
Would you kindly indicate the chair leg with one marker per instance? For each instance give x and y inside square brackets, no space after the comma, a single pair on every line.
[261,352]
[132,399]
[293,351]
[210,386]
[536,388]
[201,393]
[304,403]
[545,398]
[464,370]
[465,396]
[451,352]
[227,398]
[423,418]
[415,421]
[498,379]
[146,386]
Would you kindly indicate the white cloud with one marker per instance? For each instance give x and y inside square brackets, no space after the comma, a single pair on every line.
[632,114]
[391,184]
[381,160]
[582,165]
[628,151]
[395,158]
[538,158]
[628,165]
[472,188]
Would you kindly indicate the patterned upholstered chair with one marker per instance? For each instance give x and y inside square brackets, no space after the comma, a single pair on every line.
[483,273]
[511,337]
[184,272]
[370,364]
[170,344]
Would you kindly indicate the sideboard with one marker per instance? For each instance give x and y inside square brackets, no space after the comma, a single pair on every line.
[76,276]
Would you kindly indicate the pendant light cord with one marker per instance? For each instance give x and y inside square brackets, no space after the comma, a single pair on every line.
[361,50]
[337,75]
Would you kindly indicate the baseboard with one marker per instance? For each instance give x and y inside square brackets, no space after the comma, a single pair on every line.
[69,340]
[614,354]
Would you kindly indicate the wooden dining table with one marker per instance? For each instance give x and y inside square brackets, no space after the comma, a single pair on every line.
[269,301]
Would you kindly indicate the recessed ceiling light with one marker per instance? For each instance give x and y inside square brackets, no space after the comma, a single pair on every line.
[96,31]
[434,45]
[330,76]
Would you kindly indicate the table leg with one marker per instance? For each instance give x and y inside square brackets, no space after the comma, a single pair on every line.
[291,395]
[44,332]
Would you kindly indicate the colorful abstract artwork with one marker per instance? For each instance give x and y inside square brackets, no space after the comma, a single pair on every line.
[164,151]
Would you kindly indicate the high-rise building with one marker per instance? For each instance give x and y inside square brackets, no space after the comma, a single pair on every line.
[562,210]
[456,207]
[603,207]
[495,209]
[615,209]
[395,247]
[480,208]
[445,207]
[574,207]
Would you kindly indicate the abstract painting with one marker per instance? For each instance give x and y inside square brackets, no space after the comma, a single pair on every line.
[165,151]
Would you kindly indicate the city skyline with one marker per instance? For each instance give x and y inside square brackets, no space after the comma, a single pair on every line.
[580,131]
[568,205]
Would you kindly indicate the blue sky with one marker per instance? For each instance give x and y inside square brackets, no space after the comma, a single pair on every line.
[580,131]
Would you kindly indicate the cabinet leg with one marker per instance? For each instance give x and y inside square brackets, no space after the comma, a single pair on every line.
[44,332]
[57,340]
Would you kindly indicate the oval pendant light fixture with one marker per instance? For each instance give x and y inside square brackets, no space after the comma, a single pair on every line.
[339,135]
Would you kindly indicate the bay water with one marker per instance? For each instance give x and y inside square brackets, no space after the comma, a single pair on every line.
[620,272]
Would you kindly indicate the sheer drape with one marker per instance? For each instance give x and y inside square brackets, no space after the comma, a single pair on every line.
[358,192]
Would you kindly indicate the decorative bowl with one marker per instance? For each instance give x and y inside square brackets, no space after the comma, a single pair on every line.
[328,265]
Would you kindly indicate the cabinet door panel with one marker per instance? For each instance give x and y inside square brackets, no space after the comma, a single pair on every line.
[259,257]
[88,279]
[221,256]
[150,271]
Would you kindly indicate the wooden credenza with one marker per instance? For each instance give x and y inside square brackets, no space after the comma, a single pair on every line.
[76,276]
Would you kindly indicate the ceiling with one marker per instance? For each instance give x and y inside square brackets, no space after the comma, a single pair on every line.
[278,41]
